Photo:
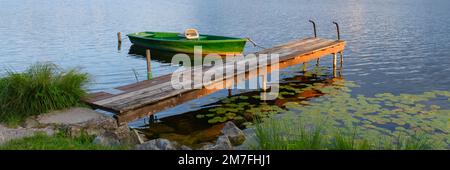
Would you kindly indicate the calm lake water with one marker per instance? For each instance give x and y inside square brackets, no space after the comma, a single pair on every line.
[395,46]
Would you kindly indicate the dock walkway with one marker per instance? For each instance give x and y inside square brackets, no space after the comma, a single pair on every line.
[148,97]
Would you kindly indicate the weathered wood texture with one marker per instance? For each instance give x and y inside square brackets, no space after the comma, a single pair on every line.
[147,97]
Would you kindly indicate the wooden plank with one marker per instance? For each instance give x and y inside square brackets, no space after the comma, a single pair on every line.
[295,46]
[97,96]
[291,44]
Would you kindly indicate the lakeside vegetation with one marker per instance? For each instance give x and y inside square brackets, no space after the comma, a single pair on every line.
[58,141]
[41,88]
[339,120]
[290,133]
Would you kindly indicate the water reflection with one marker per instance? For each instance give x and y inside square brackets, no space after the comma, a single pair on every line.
[158,55]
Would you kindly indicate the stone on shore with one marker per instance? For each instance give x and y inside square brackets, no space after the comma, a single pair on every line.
[222,143]
[69,116]
[250,141]
[107,139]
[102,125]
[234,134]
[157,144]
[31,123]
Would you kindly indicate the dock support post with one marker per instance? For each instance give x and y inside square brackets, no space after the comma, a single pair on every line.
[151,119]
[334,64]
[119,40]
[264,82]
[149,64]
[305,67]
[230,92]
[264,87]
[334,60]
[342,63]
[318,62]
[119,37]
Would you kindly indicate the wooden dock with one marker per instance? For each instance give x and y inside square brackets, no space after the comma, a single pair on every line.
[148,97]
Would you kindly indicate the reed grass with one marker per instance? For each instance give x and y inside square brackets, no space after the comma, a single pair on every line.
[39,89]
[293,134]
[281,134]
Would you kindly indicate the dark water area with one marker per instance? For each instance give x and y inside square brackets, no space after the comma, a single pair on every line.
[393,46]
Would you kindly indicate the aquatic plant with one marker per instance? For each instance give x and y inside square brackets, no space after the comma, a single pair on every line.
[383,114]
[407,121]
[39,89]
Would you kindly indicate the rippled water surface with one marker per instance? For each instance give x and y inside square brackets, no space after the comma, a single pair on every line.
[395,46]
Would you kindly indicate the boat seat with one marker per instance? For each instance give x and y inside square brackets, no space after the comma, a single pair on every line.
[191,34]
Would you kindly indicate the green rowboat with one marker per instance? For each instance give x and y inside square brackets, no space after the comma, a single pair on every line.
[175,42]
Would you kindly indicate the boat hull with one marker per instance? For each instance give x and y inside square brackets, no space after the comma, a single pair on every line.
[209,44]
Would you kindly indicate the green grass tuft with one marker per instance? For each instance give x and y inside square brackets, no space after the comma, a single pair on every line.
[292,134]
[282,134]
[41,88]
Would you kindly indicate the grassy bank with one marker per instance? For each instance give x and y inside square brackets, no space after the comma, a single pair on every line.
[39,89]
[292,133]
[59,141]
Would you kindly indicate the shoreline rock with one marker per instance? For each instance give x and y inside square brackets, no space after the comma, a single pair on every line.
[230,137]
[233,133]
[74,115]
[107,139]
[157,144]
[250,140]
[222,143]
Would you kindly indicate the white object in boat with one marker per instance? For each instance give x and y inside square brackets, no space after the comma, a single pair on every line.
[191,33]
